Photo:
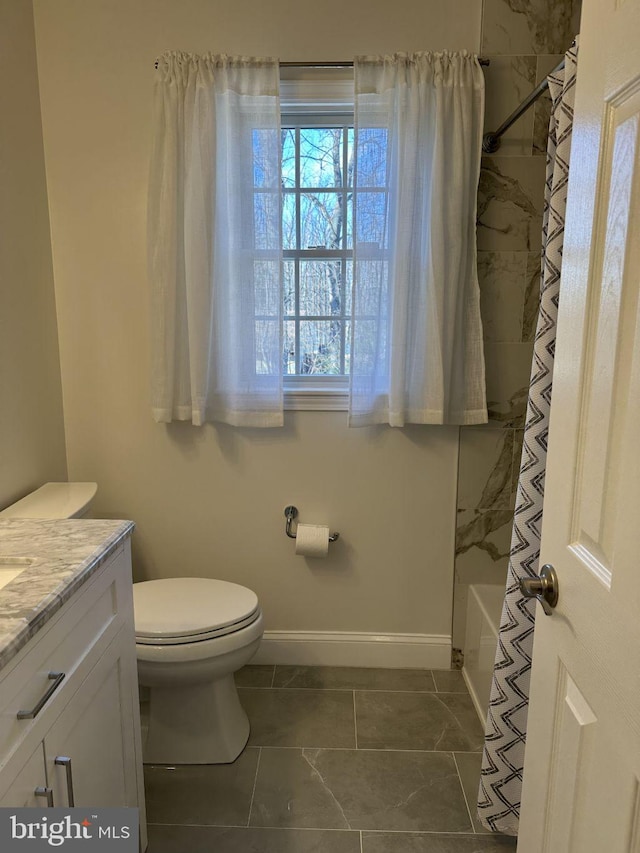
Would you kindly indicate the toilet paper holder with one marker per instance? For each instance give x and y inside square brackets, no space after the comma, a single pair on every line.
[290,513]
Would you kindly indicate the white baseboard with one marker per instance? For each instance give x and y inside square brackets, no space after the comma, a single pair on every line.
[332,648]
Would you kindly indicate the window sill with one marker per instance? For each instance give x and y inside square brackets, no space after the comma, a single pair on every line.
[304,395]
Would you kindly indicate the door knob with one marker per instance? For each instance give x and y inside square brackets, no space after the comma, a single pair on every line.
[544,588]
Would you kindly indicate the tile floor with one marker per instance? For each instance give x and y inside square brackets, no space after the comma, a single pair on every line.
[340,760]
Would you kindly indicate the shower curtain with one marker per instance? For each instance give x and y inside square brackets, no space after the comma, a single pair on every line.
[506,729]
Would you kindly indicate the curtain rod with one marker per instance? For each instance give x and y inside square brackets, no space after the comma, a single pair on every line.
[338,64]
[491,141]
[345,64]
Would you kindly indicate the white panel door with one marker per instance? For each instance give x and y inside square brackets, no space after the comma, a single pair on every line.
[582,765]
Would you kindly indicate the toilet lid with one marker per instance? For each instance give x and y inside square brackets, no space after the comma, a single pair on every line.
[190,609]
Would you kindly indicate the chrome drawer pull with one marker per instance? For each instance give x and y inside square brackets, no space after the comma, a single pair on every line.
[65,761]
[57,678]
[45,792]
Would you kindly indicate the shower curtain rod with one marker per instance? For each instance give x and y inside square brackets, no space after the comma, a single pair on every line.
[338,64]
[491,141]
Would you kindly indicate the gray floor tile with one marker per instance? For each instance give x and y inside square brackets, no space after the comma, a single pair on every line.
[449,681]
[469,764]
[315,718]
[209,794]
[209,839]
[439,721]
[354,678]
[254,676]
[401,842]
[359,789]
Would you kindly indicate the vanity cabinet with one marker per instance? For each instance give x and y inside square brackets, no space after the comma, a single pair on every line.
[82,746]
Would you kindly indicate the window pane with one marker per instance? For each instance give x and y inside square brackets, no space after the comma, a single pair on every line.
[372,157]
[371,288]
[371,220]
[266,283]
[266,218]
[267,334]
[372,346]
[350,137]
[288,136]
[321,151]
[317,179]
[288,221]
[320,287]
[289,286]
[321,220]
[265,158]
[348,287]
[320,347]
[289,348]
[347,347]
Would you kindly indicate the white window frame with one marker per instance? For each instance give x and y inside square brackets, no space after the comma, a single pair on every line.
[317,103]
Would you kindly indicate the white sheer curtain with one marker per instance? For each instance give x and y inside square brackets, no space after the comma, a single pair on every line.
[214,241]
[417,353]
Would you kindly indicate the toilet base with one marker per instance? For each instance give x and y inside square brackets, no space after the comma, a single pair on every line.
[195,724]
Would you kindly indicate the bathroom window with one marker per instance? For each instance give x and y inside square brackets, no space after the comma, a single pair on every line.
[218,278]
[317,238]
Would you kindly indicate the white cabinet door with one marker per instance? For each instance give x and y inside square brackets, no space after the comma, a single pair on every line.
[96,733]
[581,789]
[19,791]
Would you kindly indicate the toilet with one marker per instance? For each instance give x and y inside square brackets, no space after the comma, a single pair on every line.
[54,500]
[192,635]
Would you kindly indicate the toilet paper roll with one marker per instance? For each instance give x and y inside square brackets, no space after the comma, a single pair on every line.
[312,540]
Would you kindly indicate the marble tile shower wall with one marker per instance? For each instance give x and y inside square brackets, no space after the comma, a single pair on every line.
[524,39]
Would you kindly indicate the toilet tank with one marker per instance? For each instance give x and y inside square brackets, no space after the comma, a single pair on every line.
[54,500]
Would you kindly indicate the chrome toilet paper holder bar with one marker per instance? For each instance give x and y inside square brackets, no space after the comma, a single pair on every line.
[290,513]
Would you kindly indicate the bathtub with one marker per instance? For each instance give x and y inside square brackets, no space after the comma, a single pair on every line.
[484,608]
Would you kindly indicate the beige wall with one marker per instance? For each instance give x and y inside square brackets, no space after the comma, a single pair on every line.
[31,425]
[209,501]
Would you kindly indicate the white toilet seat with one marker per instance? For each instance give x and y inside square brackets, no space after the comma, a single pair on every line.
[197,638]
[177,611]
[203,650]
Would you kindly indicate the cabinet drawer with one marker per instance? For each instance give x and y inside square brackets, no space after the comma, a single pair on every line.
[69,643]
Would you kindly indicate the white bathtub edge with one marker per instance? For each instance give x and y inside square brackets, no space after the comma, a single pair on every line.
[480,711]
[484,610]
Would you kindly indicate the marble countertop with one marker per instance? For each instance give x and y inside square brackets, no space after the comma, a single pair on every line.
[60,555]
